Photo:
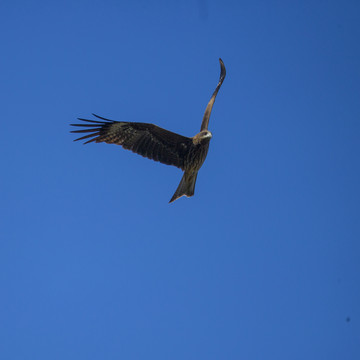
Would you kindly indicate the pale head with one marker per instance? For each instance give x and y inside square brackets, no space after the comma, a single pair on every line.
[202,136]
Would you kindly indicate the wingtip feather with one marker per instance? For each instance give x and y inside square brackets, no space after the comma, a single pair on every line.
[222,69]
[102,118]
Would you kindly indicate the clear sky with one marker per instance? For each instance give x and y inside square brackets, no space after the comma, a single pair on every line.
[262,263]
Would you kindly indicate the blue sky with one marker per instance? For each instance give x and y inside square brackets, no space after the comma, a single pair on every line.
[262,263]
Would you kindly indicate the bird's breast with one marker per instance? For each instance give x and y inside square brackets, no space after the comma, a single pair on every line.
[197,156]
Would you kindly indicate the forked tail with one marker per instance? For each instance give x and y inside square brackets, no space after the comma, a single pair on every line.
[186,186]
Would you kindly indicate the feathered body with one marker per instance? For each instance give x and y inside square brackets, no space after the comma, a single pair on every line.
[158,144]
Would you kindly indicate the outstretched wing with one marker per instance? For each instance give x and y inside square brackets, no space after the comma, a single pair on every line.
[206,118]
[147,140]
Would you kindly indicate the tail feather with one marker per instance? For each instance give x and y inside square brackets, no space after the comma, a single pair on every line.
[186,186]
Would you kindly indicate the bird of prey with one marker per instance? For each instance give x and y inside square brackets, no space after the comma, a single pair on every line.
[153,142]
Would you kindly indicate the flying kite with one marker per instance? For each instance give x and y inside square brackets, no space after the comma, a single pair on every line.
[153,142]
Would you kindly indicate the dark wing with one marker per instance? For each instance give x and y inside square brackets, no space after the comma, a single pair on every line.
[144,139]
[206,118]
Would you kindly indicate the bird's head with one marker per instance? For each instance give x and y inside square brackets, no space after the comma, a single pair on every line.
[202,137]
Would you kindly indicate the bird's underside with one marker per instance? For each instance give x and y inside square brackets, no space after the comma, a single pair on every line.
[156,143]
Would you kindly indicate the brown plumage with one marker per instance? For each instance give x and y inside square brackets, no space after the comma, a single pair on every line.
[156,143]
